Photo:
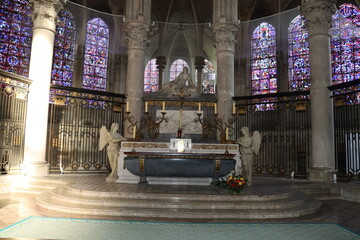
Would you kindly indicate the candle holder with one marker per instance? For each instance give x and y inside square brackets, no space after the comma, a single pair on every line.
[215,124]
[133,125]
[147,124]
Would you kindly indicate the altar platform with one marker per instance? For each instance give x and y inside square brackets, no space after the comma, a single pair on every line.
[89,196]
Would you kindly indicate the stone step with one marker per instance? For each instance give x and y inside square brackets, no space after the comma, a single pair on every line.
[198,202]
[48,202]
[221,195]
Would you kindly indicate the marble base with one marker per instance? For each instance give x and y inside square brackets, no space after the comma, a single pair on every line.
[126,177]
[35,169]
[179,181]
[321,175]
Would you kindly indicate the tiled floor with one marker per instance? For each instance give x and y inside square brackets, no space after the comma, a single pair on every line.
[17,206]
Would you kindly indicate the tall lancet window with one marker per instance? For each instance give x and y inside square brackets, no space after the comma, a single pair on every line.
[208,77]
[96,55]
[299,66]
[151,76]
[177,67]
[263,60]
[15,36]
[64,46]
[345,44]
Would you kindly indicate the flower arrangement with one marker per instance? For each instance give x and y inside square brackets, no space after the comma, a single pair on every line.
[234,182]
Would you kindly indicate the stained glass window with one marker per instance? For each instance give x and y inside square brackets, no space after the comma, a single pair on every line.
[63,62]
[96,55]
[299,66]
[176,68]
[151,77]
[345,44]
[263,60]
[15,36]
[208,78]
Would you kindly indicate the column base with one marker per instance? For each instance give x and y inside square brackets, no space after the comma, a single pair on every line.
[321,174]
[35,169]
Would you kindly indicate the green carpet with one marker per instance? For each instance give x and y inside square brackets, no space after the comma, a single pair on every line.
[66,228]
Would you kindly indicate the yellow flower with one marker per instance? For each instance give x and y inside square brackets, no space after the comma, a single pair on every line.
[230,177]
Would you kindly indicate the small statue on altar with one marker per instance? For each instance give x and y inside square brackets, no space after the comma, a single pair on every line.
[182,82]
[112,139]
[249,146]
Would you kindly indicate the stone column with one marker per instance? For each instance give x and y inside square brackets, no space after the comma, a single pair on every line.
[161,64]
[224,29]
[199,66]
[136,29]
[44,18]
[317,15]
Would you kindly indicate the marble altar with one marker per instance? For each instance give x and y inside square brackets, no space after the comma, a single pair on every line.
[125,176]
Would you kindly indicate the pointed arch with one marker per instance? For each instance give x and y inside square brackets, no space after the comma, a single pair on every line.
[96,55]
[298,56]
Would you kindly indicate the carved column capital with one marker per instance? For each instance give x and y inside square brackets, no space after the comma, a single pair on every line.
[199,63]
[136,34]
[224,36]
[318,15]
[45,12]
[161,62]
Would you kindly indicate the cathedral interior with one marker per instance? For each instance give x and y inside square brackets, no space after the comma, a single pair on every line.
[187,74]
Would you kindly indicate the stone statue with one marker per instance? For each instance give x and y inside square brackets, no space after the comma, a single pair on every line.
[249,146]
[112,139]
[182,82]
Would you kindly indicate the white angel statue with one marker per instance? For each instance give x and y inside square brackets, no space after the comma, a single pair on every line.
[111,138]
[249,146]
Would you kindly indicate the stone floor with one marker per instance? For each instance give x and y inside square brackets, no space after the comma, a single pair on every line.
[15,206]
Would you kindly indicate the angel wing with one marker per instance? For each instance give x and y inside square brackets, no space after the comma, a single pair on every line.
[255,142]
[103,137]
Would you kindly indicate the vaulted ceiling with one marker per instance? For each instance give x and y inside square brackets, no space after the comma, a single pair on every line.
[201,10]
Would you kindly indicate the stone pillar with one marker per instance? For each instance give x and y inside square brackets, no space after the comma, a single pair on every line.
[136,29]
[224,28]
[199,66]
[161,64]
[317,15]
[44,18]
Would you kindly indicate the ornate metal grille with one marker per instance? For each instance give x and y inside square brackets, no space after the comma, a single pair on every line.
[283,120]
[13,100]
[75,118]
[347,127]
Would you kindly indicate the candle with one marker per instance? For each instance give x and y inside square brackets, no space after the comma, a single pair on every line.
[227,133]
[146,106]
[215,108]
[180,123]
[163,106]
[127,107]
[199,109]
[134,132]
[234,108]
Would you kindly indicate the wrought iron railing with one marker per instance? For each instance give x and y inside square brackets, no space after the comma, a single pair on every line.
[13,102]
[283,120]
[75,118]
[347,127]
